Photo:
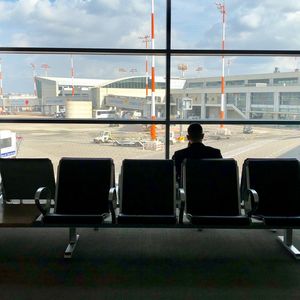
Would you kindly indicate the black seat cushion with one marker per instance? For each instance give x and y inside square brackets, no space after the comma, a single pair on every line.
[277,183]
[219,220]
[148,187]
[83,186]
[73,219]
[211,187]
[282,221]
[21,177]
[141,219]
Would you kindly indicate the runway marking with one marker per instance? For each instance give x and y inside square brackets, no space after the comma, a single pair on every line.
[282,150]
[247,148]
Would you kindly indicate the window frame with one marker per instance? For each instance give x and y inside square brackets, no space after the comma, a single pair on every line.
[168,52]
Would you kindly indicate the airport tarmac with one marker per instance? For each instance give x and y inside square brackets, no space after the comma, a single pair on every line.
[76,140]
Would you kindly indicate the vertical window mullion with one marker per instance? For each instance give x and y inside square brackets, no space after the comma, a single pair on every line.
[168,78]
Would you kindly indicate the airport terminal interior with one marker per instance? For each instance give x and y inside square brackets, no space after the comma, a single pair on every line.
[95,99]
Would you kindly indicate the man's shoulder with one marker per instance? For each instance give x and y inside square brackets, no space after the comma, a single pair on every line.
[212,149]
[200,150]
[181,152]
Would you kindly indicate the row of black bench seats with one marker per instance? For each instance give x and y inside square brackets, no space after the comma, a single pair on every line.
[210,194]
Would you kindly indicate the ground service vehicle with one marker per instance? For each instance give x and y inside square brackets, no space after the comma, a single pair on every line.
[8,144]
[103,137]
[105,114]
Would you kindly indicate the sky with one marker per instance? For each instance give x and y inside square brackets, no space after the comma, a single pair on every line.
[196,24]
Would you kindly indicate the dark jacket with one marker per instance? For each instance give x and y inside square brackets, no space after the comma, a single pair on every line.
[195,150]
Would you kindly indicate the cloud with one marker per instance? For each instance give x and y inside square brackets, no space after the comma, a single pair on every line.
[65,23]
[255,24]
[20,40]
[252,20]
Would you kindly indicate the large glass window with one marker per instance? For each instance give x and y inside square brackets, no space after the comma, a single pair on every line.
[263,24]
[102,75]
[106,24]
[262,98]
[241,142]
[238,100]
[290,98]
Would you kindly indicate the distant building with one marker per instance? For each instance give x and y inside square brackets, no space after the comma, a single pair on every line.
[19,103]
[254,96]
[124,93]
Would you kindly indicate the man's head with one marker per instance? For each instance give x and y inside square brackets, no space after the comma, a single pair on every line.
[195,133]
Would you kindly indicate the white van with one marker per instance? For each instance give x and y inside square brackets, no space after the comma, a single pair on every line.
[105,114]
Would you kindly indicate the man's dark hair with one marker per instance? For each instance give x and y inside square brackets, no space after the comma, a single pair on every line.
[195,131]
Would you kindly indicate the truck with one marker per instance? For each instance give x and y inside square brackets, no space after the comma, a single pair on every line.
[103,137]
[8,144]
[105,114]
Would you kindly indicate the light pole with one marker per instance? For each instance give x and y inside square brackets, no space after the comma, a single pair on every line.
[72,76]
[153,117]
[33,76]
[229,62]
[45,67]
[1,80]
[133,70]
[146,40]
[222,9]
[182,68]
[199,69]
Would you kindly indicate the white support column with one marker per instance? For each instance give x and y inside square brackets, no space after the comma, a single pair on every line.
[248,104]
[276,104]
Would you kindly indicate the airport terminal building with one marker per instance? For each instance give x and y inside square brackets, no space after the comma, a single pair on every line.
[254,96]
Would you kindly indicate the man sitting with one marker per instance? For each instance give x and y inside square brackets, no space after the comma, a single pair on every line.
[196,149]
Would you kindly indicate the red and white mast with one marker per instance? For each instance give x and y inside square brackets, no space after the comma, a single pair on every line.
[146,40]
[153,117]
[72,76]
[221,7]
[33,76]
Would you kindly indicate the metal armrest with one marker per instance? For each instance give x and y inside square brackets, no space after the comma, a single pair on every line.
[44,209]
[254,200]
[112,202]
[182,204]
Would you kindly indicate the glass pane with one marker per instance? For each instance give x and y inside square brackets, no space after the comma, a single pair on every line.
[102,87]
[71,23]
[257,24]
[241,142]
[69,140]
[254,88]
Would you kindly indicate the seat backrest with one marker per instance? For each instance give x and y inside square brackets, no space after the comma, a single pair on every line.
[21,177]
[211,187]
[83,185]
[147,187]
[277,182]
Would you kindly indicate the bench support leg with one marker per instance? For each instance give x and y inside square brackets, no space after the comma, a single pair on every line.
[73,238]
[287,242]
